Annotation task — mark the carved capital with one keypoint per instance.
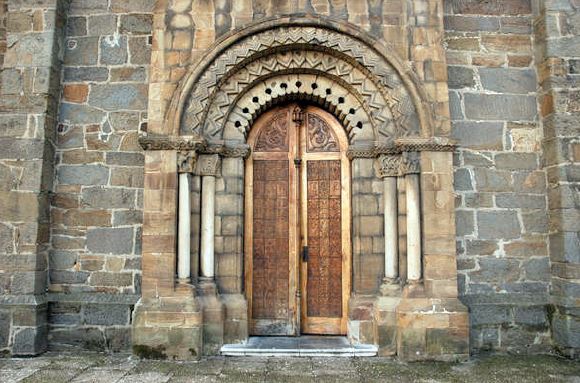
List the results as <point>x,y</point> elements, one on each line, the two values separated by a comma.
<point>208,165</point>
<point>410,163</point>
<point>388,165</point>
<point>186,161</point>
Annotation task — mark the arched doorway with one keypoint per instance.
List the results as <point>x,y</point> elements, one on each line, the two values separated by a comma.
<point>297,223</point>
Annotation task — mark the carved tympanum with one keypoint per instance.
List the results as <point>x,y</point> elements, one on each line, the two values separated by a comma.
<point>274,135</point>
<point>320,137</point>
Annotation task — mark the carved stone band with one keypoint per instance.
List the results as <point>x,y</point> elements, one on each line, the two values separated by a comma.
<point>409,144</point>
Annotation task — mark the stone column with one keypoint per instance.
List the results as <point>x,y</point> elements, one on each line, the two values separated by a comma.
<point>388,169</point>
<point>410,167</point>
<point>208,168</point>
<point>186,162</point>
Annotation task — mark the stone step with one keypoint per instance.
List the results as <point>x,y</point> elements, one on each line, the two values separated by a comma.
<point>303,346</point>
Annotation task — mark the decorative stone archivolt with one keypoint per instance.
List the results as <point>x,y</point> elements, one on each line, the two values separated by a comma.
<point>384,85</point>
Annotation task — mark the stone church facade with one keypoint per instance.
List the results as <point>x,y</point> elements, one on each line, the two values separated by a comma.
<point>178,175</point>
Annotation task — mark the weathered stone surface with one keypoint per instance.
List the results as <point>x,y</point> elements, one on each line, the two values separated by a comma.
<point>119,96</point>
<point>81,51</point>
<point>80,114</point>
<point>110,241</point>
<point>137,24</point>
<point>114,50</point>
<point>460,77</point>
<point>498,224</point>
<point>106,315</point>
<point>478,135</point>
<point>83,175</point>
<point>506,80</point>
<point>510,107</point>
<point>86,74</point>
<point>99,197</point>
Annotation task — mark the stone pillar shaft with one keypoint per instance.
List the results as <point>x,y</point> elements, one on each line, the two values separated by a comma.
<point>413,228</point>
<point>391,229</point>
<point>184,230</point>
<point>207,226</point>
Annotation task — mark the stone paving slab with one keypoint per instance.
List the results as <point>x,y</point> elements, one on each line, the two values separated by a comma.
<point>122,368</point>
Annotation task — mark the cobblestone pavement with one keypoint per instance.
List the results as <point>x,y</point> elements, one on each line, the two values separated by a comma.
<point>55,368</point>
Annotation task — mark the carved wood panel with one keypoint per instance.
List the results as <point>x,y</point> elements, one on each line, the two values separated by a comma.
<point>274,135</point>
<point>320,137</point>
<point>324,280</point>
<point>270,239</point>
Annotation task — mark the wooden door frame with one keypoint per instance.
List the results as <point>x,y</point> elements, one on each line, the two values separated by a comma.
<point>296,267</point>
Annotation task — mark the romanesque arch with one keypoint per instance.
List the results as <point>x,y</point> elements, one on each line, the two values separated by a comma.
<point>228,88</point>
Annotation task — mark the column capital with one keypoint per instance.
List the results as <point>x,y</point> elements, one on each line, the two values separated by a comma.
<point>208,165</point>
<point>410,163</point>
<point>186,160</point>
<point>388,165</point>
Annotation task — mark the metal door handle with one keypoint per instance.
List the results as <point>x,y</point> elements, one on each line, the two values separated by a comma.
<point>304,253</point>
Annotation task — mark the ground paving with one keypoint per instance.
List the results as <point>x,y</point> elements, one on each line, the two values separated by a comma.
<point>122,368</point>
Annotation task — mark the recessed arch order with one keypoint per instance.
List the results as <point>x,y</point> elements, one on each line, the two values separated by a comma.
<point>327,62</point>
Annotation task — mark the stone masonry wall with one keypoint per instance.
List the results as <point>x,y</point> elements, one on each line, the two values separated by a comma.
<point>557,31</point>
<point>95,262</point>
<point>502,226</point>
<point>28,110</point>
<point>368,238</point>
<point>229,226</point>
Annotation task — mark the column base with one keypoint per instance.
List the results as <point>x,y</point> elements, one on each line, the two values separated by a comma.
<point>169,328</point>
<point>214,315</point>
<point>432,329</point>
<point>390,288</point>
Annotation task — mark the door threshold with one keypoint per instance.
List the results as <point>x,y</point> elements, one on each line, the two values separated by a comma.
<point>302,346</point>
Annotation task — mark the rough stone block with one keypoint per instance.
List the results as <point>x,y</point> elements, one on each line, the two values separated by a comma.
<point>498,224</point>
<point>136,24</point>
<point>94,74</point>
<point>505,80</point>
<point>510,107</point>
<point>100,25</point>
<point>83,175</point>
<point>460,77</point>
<point>526,201</point>
<point>114,50</point>
<point>81,51</point>
<point>80,114</point>
<point>464,222</point>
<point>478,135</point>
<point>106,314</point>
<point>119,96</point>
<point>110,240</point>
<point>517,161</point>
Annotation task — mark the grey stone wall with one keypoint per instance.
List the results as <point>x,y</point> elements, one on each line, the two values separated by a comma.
<point>29,87</point>
<point>97,203</point>
<point>502,225</point>
<point>557,32</point>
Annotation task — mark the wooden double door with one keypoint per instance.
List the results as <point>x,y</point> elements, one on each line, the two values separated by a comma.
<point>297,204</point>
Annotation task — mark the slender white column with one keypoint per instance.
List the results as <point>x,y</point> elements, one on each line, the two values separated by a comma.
<point>413,228</point>
<point>391,229</point>
<point>207,225</point>
<point>184,229</point>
